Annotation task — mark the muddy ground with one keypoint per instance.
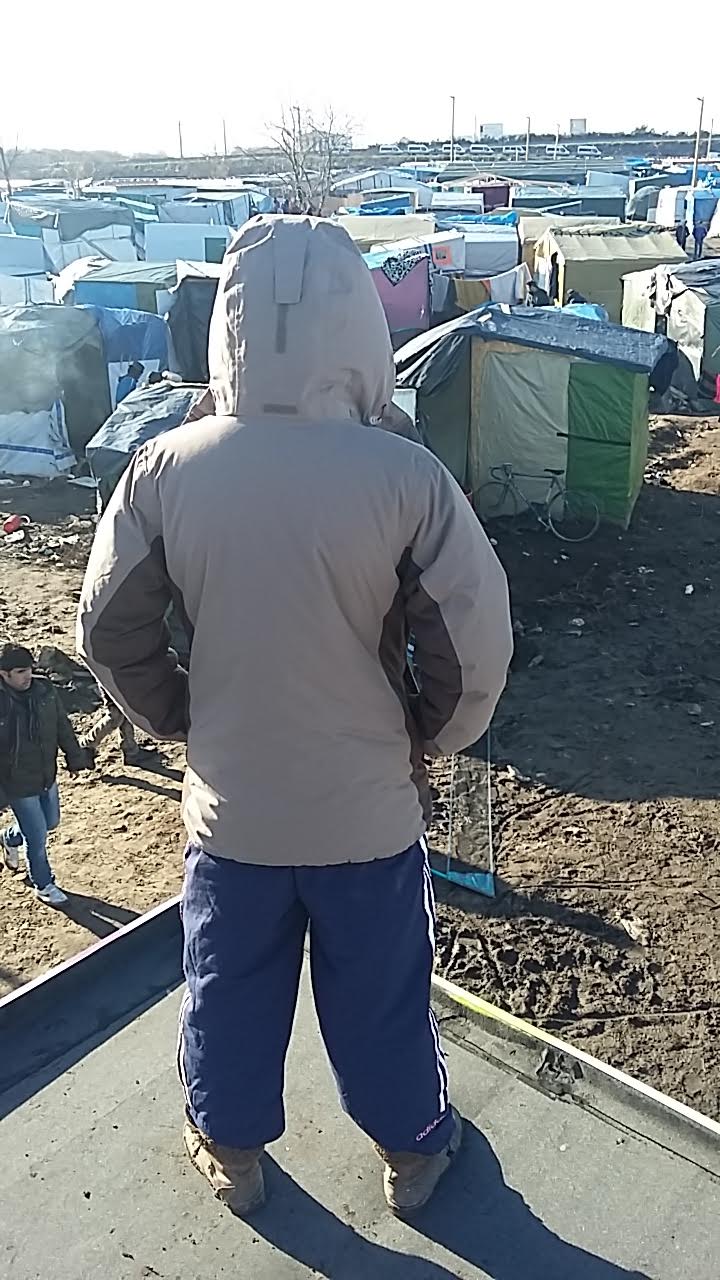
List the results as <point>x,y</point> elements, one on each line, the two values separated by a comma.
<point>119,848</point>
<point>605,781</point>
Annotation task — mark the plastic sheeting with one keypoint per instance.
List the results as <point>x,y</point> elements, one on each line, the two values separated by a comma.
<point>132,336</point>
<point>22,291</point>
<point>490,250</point>
<point>607,409</point>
<point>141,416</point>
<point>52,353</point>
<point>200,242</point>
<point>35,444</point>
<point>519,415</point>
<point>23,256</point>
<point>189,321</point>
<point>551,328</point>
<point>70,218</point>
<point>407,303</point>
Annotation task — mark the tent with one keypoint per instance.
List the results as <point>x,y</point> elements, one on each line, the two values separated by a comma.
<point>537,388</point>
<point>49,356</point>
<point>685,300</point>
<point>139,286</point>
<point>532,227</point>
<point>593,262</point>
<point>141,416</point>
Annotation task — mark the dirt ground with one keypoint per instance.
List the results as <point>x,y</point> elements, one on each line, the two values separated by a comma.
<point>607,785</point>
<point>606,777</point>
<point>119,848</point>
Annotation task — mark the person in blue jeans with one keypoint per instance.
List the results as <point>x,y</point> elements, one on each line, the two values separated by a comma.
<point>34,726</point>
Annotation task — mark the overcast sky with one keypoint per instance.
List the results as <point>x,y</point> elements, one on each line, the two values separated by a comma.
<point>94,75</point>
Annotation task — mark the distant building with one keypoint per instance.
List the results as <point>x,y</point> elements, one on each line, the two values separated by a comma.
<point>492,130</point>
<point>578,126</point>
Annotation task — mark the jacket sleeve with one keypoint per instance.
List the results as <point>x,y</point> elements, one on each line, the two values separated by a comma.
<point>121,630</point>
<point>67,740</point>
<point>458,609</point>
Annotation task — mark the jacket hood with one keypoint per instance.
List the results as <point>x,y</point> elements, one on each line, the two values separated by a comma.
<point>298,329</point>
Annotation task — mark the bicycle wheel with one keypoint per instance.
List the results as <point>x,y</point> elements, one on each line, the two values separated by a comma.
<point>496,498</point>
<point>573,517</point>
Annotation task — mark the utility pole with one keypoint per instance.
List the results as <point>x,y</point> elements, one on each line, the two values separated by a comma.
<point>711,130</point>
<point>225,150</point>
<point>452,129</point>
<point>182,155</point>
<point>557,141</point>
<point>527,140</point>
<point>698,137</point>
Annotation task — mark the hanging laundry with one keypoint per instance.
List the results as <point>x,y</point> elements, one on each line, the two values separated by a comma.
<point>510,286</point>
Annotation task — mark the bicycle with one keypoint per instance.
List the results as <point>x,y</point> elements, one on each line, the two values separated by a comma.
<point>571,516</point>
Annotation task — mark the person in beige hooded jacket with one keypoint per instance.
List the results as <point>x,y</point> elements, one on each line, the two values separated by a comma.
<point>303,544</point>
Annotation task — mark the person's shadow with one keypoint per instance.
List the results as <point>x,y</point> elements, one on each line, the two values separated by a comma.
<point>474,1215</point>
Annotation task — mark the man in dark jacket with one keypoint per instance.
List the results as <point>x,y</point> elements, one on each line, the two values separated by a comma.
<point>33,727</point>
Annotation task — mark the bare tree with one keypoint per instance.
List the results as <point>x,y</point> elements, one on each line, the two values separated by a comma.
<point>7,164</point>
<point>311,146</point>
<point>79,172</point>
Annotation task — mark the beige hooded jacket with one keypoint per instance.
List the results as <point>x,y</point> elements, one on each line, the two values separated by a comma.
<point>302,544</point>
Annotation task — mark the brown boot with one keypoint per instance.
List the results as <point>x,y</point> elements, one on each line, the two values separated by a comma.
<point>234,1174</point>
<point>409,1179</point>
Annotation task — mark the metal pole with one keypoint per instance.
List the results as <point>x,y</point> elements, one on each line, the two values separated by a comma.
<point>182,156</point>
<point>452,129</point>
<point>696,159</point>
<point>527,140</point>
<point>557,140</point>
<point>708,153</point>
<point>225,151</point>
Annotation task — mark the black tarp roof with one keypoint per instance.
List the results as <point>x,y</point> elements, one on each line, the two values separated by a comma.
<point>554,331</point>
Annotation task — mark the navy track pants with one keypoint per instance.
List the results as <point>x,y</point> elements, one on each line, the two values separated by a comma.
<point>371,955</point>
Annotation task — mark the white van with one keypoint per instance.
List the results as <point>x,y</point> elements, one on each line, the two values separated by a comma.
<point>560,150</point>
<point>481,149</point>
<point>418,149</point>
<point>389,149</point>
<point>447,149</point>
<point>589,149</point>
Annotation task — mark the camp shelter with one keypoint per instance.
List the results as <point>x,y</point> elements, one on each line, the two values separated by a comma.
<point>532,227</point>
<point>141,416</point>
<point>403,284</point>
<point>197,242</point>
<point>367,231</point>
<point>138,286</point>
<point>189,318</point>
<point>671,206</point>
<point>685,300</point>
<point>54,355</point>
<point>537,388</point>
<point>593,262</point>
<point>132,337</point>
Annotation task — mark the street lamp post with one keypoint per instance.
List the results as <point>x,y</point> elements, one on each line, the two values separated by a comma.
<point>527,140</point>
<point>711,130</point>
<point>696,159</point>
<point>452,129</point>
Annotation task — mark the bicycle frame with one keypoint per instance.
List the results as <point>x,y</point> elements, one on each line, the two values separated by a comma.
<point>538,507</point>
